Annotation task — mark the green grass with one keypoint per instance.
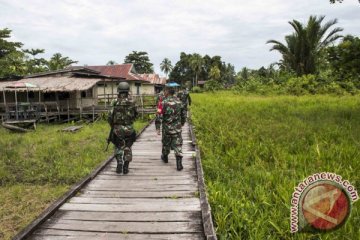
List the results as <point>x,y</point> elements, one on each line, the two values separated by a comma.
<point>38,167</point>
<point>255,150</point>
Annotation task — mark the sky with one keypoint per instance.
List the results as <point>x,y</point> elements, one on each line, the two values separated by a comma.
<point>94,32</point>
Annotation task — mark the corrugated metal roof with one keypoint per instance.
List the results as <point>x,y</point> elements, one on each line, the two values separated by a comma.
<point>118,70</point>
<point>56,84</point>
<point>154,78</point>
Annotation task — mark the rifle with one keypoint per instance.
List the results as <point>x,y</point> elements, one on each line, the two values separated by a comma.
<point>111,130</point>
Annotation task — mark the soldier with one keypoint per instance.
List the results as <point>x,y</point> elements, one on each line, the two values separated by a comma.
<point>185,98</point>
<point>123,135</point>
<point>172,119</point>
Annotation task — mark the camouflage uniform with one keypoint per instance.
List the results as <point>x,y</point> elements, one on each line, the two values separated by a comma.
<point>122,117</point>
<point>185,98</point>
<point>172,118</point>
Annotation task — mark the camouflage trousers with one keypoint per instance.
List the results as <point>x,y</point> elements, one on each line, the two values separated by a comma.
<point>123,139</point>
<point>172,141</point>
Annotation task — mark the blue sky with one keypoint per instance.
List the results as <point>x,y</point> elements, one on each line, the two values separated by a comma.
<point>94,32</point>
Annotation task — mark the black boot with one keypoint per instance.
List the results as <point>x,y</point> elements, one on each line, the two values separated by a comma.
<point>126,167</point>
<point>179,165</point>
<point>119,167</point>
<point>165,158</point>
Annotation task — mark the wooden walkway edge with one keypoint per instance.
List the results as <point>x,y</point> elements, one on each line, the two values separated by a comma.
<point>153,201</point>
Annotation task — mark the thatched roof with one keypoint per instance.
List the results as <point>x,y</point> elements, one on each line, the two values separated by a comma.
<point>54,84</point>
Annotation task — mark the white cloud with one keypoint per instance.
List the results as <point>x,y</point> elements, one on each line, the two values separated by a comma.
<point>94,32</point>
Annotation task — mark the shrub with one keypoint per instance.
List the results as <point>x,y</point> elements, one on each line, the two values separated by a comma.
<point>196,89</point>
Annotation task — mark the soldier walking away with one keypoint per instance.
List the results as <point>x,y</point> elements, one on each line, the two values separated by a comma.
<point>172,118</point>
<point>185,98</point>
<point>122,134</point>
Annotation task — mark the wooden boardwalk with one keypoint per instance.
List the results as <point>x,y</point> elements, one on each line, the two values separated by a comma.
<point>153,201</point>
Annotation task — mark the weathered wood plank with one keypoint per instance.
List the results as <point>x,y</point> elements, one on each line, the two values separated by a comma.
<point>134,201</point>
<point>129,216</point>
<point>145,188</point>
<point>125,227</point>
<point>145,177</point>
<point>150,181</point>
<point>55,234</point>
<point>141,207</point>
<point>139,194</point>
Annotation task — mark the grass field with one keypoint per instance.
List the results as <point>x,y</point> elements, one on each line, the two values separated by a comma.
<point>38,167</point>
<point>255,150</point>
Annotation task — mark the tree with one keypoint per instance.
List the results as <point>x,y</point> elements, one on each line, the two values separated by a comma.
<point>344,59</point>
<point>166,66</point>
<point>111,62</point>
<point>58,62</point>
<point>141,62</point>
<point>11,56</point>
<point>182,72</point>
<point>302,49</point>
<point>215,74</point>
<point>34,64</point>
<point>196,64</point>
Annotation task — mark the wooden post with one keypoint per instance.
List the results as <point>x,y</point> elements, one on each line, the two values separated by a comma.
<point>104,92</point>
<point>142,105</point>
<point>57,105</point>
<point>46,113</point>
<point>16,106</point>
<point>80,107</point>
<point>6,109</point>
<point>93,111</point>
<point>112,89</point>
<point>68,110</point>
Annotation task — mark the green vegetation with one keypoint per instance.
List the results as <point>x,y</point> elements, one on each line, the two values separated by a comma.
<point>15,61</point>
<point>38,167</point>
<point>256,149</point>
<point>141,61</point>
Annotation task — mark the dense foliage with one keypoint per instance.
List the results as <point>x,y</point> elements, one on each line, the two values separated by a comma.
<point>15,61</point>
<point>303,48</point>
<point>192,68</point>
<point>141,62</point>
<point>255,150</point>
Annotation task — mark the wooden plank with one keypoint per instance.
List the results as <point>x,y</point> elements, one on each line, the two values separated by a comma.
<point>129,182</point>
<point>145,178</point>
<point>171,172</point>
<point>141,207</point>
<point>144,188</point>
<point>137,184</point>
<point>55,234</point>
<point>136,201</point>
<point>139,194</point>
<point>129,216</point>
<point>125,227</point>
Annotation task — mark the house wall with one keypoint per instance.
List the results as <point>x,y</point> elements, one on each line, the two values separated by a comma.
<point>147,89</point>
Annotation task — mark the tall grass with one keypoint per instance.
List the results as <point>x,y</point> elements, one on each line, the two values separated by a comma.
<point>38,167</point>
<point>256,149</point>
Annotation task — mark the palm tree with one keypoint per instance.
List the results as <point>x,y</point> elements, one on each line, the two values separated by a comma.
<point>57,62</point>
<point>166,66</point>
<point>196,64</point>
<point>111,62</point>
<point>302,49</point>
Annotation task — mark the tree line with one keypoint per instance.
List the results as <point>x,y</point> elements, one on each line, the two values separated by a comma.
<point>16,61</point>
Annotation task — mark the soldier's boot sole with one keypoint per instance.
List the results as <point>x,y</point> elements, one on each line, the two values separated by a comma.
<point>165,158</point>
<point>119,168</point>
<point>126,167</point>
<point>179,165</point>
